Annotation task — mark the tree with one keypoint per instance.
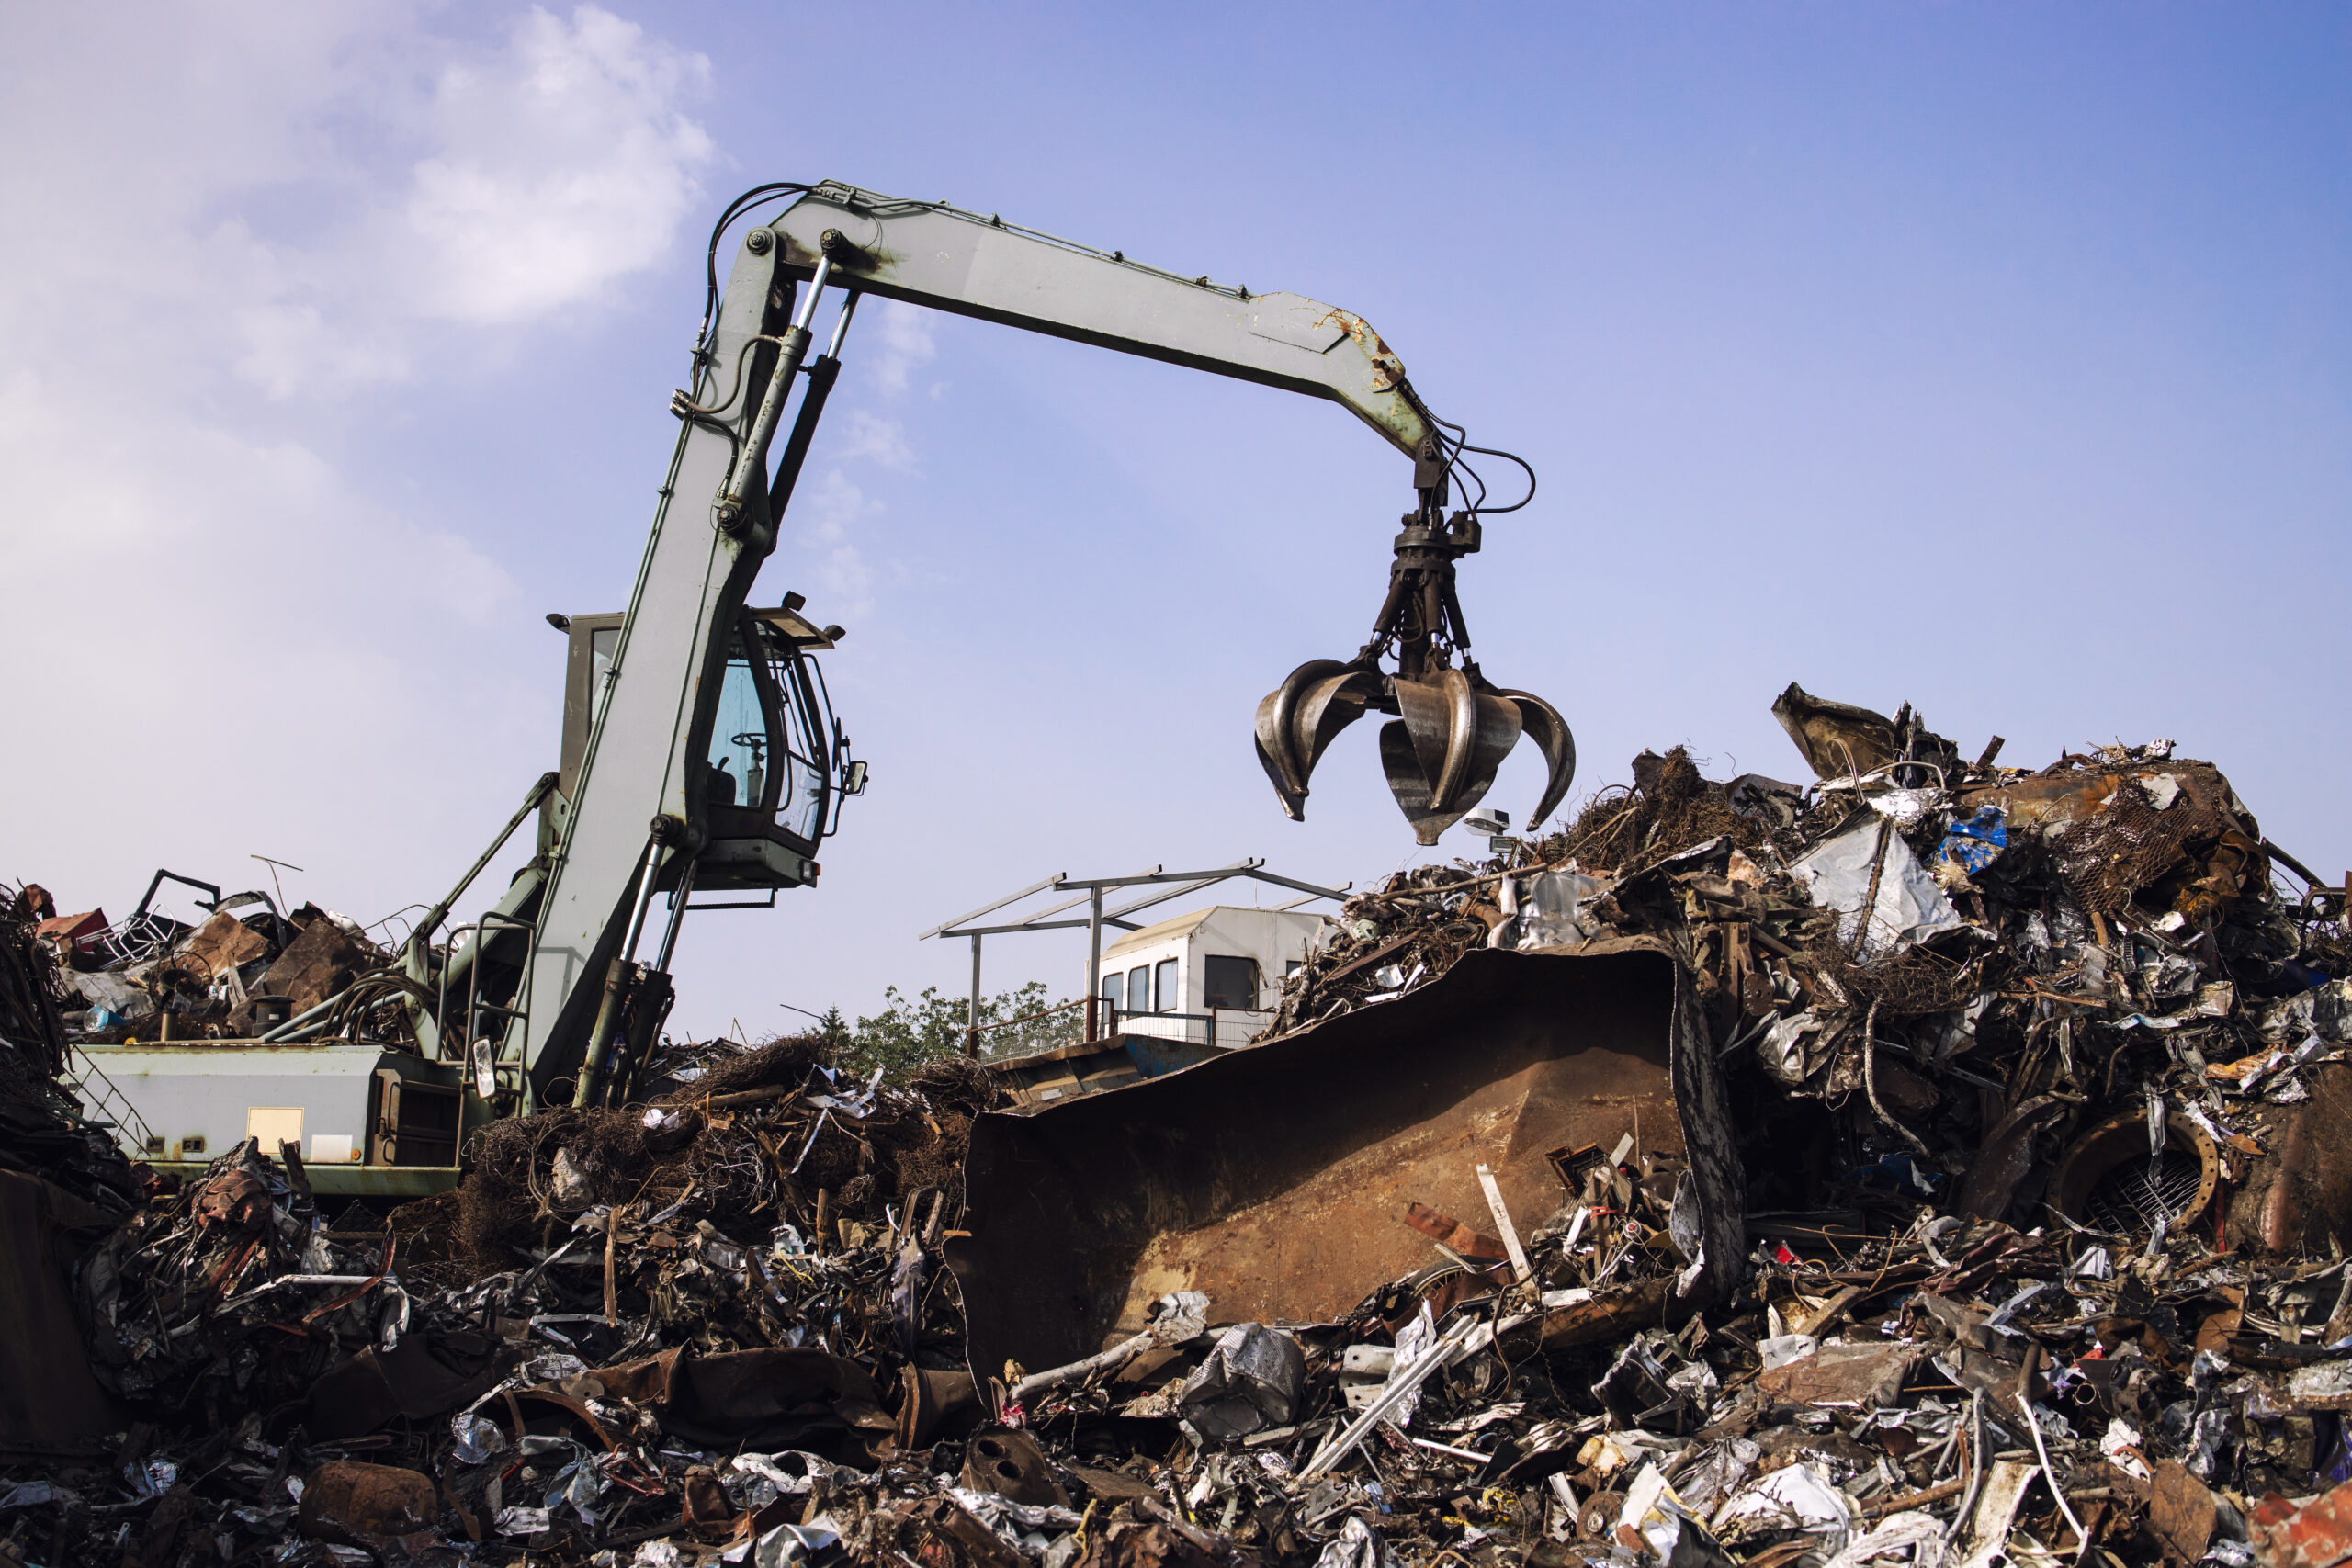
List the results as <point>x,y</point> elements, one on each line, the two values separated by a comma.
<point>908,1033</point>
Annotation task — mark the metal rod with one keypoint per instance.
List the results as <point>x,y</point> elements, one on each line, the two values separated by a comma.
<point>841,325</point>
<point>1501,1211</point>
<point>972,1027</point>
<point>616,981</point>
<point>1401,1383</point>
<point>677,915</point>
<point>822,372</point>
<point>441,1004</point>
<point>1044,925</point>
<point>592,1066</point>
<point>644,899</point>
<point>1181,890</point>
<point>439,912</point>
<point>1308,887</point>
<point>1118,1355</point>
<point>1472,1454</point>
<point>1108,919</point>
<point>815,286</point>
<point>1214,874</point>
<point>1094,960</point>
<point>751,459</point>
<point>990,908</point>
<point>481,1051</point>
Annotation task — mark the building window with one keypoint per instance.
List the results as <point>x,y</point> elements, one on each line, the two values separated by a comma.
<point>1164,987</point>
<point>1139,988</point>
<point>1230,982</point>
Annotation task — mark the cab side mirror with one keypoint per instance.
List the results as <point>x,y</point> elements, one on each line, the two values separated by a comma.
<point>854,779</point>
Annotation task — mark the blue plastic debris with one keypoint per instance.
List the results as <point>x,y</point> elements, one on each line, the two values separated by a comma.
<point>1973,843</point>
<point>1899,1173</point>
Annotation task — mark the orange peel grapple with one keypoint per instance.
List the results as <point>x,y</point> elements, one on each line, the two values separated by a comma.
<point>1451,727</point>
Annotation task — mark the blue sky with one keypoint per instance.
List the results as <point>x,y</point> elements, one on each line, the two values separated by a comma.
<point>1991,358</point>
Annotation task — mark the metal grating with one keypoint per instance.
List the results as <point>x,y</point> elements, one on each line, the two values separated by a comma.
<point>2128,843</point>
<point>2128,1200</point>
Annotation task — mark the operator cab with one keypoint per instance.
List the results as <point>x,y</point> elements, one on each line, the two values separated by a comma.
<point>777,765</point>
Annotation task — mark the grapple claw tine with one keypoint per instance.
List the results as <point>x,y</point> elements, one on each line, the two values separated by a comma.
<point>1294,801</point>
<point>1442,754</point>
<point>1485,729</point>
<point>1427,712</point>
<point>1297,720</point>
<point>1542,723</point>
<point>1409,785</point>
<point>1498,727</point>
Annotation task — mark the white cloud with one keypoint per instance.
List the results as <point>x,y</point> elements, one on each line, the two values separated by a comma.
<point>529,176</point>
<point>292,349</point>
<point>836,511</point>
<point>268,209</point>
<point>410,184</point>
<point>906,344</point>
<point>828,518</point>
<point>564,164</point>
<point>870,435</point>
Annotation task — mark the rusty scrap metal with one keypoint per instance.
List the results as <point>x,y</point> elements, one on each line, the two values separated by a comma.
<point>2019,1234</point>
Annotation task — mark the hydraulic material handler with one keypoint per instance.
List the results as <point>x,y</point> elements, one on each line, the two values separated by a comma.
<point>699,752</point>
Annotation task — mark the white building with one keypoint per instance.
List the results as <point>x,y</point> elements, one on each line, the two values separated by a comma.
<point>1209,976</point>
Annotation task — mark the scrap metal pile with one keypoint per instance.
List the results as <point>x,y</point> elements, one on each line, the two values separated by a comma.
<point>242,971</point>
<point>41,1133</point>
<point>581,1344</point>
<point>1988,1204</point>
<point>2042,1076</point>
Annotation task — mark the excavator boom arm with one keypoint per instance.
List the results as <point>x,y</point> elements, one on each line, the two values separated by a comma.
<point>928,252</point>
<point>638,809</point>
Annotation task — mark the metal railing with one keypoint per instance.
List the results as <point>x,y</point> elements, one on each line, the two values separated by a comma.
<point>972,1036</point>
<point>130,1129</point>
<point>1225,1027</point>
<point>485,931</point>
<point>1106,1019</point>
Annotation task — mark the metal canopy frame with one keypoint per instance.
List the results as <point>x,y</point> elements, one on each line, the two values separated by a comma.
<point>1176,885</point>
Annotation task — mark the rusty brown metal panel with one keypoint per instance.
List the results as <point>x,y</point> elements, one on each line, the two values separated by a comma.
<point>2300,1198</point>
<point>49,1401</point>
<point>1278,1179</point>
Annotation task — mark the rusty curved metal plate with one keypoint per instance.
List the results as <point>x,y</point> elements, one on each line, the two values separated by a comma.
<point>48,1400</point>
<point>1279,1179</point>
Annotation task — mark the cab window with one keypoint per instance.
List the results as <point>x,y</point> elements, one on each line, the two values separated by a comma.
<point>1229,982</point>
<point>738,739</point>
